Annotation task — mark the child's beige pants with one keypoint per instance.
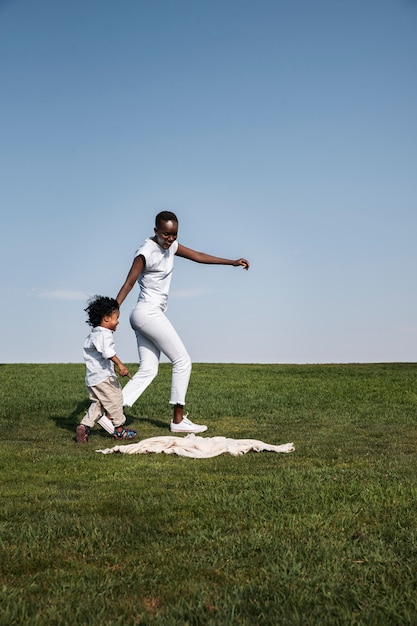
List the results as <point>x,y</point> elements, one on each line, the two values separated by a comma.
<point>105,397</point>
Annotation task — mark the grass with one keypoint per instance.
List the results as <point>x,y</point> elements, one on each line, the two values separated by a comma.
<point>325,535</point>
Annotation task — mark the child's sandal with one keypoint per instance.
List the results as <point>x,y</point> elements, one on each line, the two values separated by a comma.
<point>124,434</point>
<point>82,433</point>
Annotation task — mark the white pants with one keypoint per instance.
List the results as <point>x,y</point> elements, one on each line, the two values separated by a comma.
<point>155,334</point>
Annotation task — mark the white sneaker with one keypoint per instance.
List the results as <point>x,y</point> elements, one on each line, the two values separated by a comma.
<point>187,426</point>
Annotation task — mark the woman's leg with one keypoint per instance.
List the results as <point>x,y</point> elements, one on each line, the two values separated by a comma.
<point>156,334</point>
<point>166,337</point>
<point>157,331</point>
<point>148,368</point>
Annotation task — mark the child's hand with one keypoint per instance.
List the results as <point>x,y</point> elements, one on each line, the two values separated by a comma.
<point>123,371</point>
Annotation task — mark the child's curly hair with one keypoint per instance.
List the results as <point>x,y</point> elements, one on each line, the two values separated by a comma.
<point>98,307</point>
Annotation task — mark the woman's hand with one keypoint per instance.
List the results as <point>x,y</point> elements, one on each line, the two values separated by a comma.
<point>243,262</point>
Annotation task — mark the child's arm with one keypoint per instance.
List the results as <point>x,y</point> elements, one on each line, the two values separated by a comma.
<point>123,371</point>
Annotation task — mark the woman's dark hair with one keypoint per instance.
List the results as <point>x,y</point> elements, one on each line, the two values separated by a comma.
<point>165,216</point>
<point>99,307</point>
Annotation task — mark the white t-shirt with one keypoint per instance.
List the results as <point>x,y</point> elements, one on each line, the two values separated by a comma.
<point>99,347</point>
<point>155,279</point>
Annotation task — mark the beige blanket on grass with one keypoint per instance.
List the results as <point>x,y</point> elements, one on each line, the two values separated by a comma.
<point>197,447</point>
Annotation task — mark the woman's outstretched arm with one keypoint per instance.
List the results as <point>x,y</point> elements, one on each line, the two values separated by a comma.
<point>202,257</point>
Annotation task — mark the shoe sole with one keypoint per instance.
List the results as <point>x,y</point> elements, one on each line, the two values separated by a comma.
<point>187,432</point>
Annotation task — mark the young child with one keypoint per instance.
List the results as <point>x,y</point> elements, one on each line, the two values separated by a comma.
<point>100,358</point>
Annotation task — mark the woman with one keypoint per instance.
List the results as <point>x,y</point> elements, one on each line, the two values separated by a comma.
<point>152,269</point>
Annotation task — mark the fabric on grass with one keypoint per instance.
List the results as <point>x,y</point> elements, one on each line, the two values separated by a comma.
<point>198,447</point>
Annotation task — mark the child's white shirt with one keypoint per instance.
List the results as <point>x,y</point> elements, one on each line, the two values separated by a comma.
<point>155,280</point>
<point>99,348</point>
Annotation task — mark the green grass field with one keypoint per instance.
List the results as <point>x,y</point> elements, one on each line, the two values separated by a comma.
<point>325,535</point>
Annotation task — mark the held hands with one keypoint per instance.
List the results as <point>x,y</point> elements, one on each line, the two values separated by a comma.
<point>243,262</point>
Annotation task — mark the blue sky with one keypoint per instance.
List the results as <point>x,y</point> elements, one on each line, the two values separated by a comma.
<point>283,131</point>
